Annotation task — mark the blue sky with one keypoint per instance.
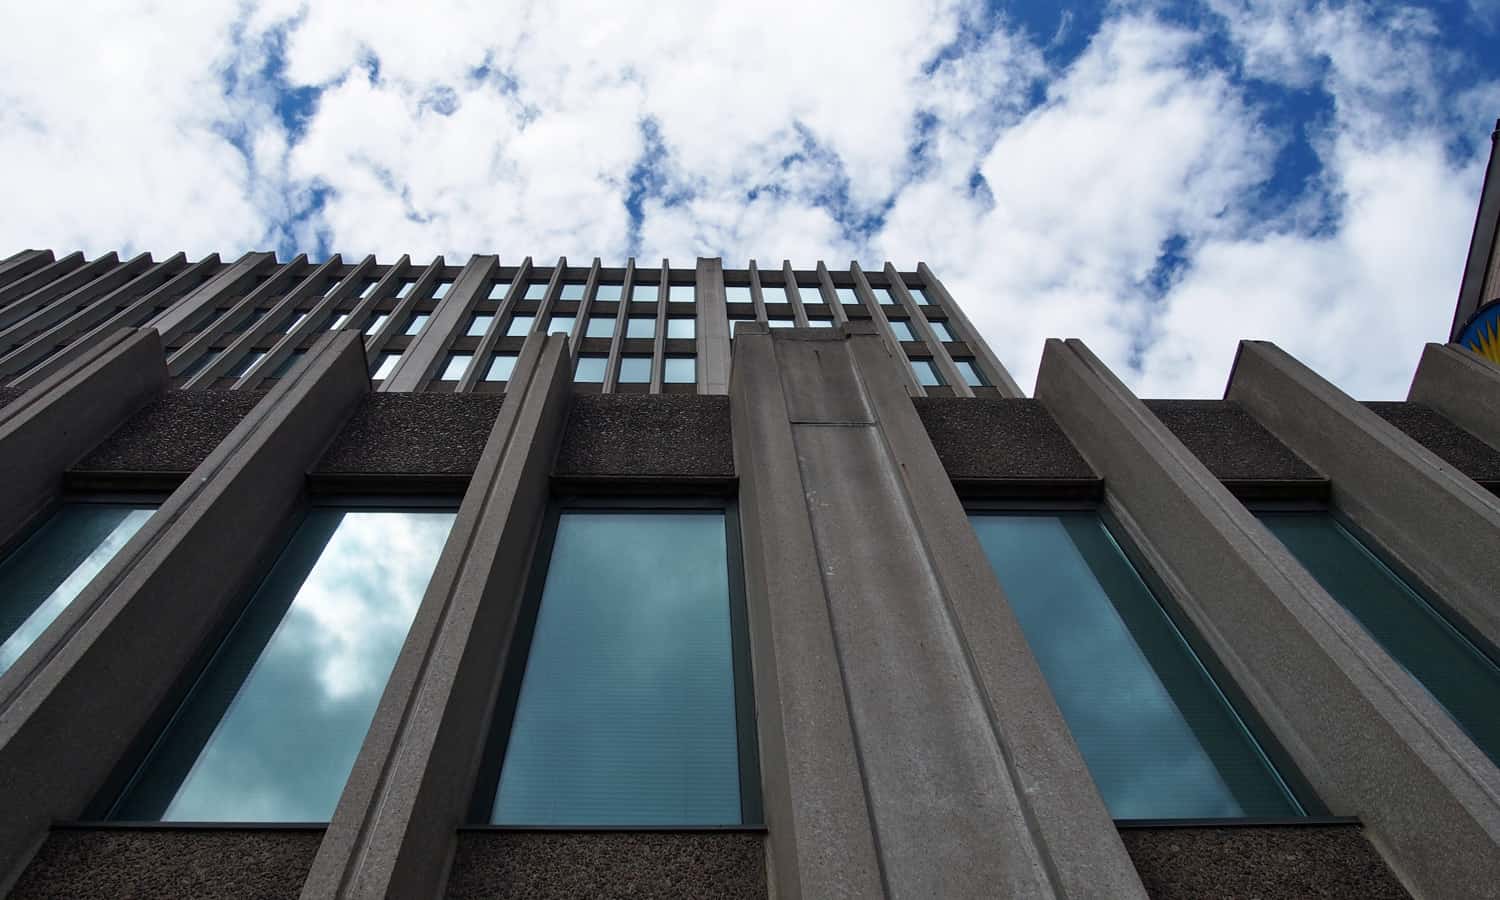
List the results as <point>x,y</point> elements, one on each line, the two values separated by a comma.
<point>1158,178</point>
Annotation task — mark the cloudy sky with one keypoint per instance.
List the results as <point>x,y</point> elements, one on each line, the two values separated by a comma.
<point>1159,179</point>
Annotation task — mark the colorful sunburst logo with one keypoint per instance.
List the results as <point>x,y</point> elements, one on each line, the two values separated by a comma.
<point>1482,334</point>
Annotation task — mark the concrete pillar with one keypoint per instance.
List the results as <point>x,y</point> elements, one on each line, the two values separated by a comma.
<point>1435,522</point>
<point>50,427</point>
<point>1364,734</point>
<point>909,744</point>
<point>97,680</point>
<point>1463,386</point>
<point>394,831</point>
<point>713,327</point>
<point>427,353</point>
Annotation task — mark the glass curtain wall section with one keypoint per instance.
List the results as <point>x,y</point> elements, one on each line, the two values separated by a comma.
<point>1458,674</point>
<point>47,572</point>
<point>627,711</point>
<point>270,730</point>
<point>1159,737</point>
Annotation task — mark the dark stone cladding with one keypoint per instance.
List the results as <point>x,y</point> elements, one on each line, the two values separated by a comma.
<point>644,435</point>
<point>1266,863</point>
<point>417,434</point>
<point>1229,441</point>
<point>1006,438</point>
<point>1450,442</point>
<point>173,434</point>
<point>642,865</point>
<point>83,863</point>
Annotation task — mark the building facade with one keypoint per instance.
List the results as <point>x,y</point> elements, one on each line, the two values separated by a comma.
<point>354,580</point>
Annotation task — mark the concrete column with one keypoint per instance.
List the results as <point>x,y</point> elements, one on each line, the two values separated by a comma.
<point>230,282</point>
<point>429,350</point>
<point>713,327</point>
<point>101,674</point>
<point>1463,386</point>
<point>50,427</point>
<point>394,831</point>
<point>1364,734</point>
<point>909,745</point>
<point>1436,522</point>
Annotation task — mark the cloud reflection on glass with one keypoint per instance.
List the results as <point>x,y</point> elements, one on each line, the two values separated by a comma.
<point>1160,740</point>
<point>271,729</point>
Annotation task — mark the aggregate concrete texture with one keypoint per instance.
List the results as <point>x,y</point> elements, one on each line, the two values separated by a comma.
<point>1229,441</point>
<point>1009,438</point>
<point>175,433</point>
<point>647,435</point>
<point>413,434</point>
<point>1449,442</point>
<point>1461,385</point>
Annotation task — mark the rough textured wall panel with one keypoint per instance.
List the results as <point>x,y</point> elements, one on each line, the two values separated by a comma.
<point>603,864</point>
<point>999,439</point>
<point>644,435</point>
<point>414,434</point>
<point>1229,442</point>
<point>174,434</point>
<point>8,394</point>
<point>84,863</point>
<point>1266,863</point>
<point>1455,446</point>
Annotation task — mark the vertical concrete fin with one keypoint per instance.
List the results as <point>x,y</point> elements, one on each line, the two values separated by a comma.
<point>52,425</point>
<point>713,327</point>
<point>1434,520</point>
<point>235,277</point>
<point>427,352</point>
<point>394,831</point>
<point>1368,738</point>
<point>1463,386</point>
<point>79,699</point>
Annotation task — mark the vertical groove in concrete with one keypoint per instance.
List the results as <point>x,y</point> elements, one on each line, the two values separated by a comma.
<point>1435,521</point>
<point>713,327</point>
<point>52,425</point>
<point>1463,386</point>
<point>82,695</point>
<point>1367,737</point>
<point>394,832</point>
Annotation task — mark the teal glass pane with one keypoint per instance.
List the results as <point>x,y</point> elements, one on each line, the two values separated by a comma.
<point>479,324</point>
<point>386,366</point>
<point>590,369</point>
<point>270,730</point>
<point>640,327</point>
<point>441,290</point>
<point>42,576</point>
<point>970,372</point>
<point>883,296</point>
<point>940,329</point>
<point>926,372</point>
<point>536,290</point>
<point>600,327</point>
<point>501,367</point>
<point>563,324</point>
<point>643,292</point>
<point>635,369</point>
<point>520,326</point>
<point>571,291</point>
<point>626,713</point>
<point>415,323</point>
<point>456,366</point>
<point>737,293</point>
<point>1456,672</point>
<point>773,293</point>
<point>681,328</point>
<point>608,291</point>
<point>902,330</point>
<point>680,370</point>
<point>681,293</point>
<point>847,296</point>
<point>1159,738</point>
<point>811,293</point>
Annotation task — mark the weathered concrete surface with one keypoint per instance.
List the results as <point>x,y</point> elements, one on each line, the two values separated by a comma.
<point>1461,385</point>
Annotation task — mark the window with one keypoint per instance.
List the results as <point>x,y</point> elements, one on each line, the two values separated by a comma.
<point>204,360</point>
<point>635,369</point>
<point>680,370</point>
<point>1159,738</point>
<point>941,330</point>
<point>376,322</point>
<point>590,369</point>
<point>562,323</point>
<point>737,293</point>
<point>501,367</point>
<point>680,293</point>
<point>368,289</point>
<point>847,296</point>
<point>571,291</point>
<point>773,293</point>
<point>600,327</point>
<point>520,326</point>
<point>902,329</point>
<point>47,572</point>
<point>820,323</point>
<point>270,730</point>
<point>781,323</point>
<point>415,323</point>
<point>1457,673</point>
<point>458,364</point>
<point>920,295</point>
<point>633,708</point>
<point>479,324</point>
<point>609,292</point>
<point>970,372</point>
<point>536,290</point>
<point>640,327</point>
<point>246,363</point>
<point>883,296</point>
<point>643,292</point>
<point>293,321</point>
<point>286,364</point>
<point>811,293</point>
<point>404,289</point>
<point>681,328</point>
<point>332,286</point>
<point>441,290</point>
<point>338,321</point>
<point>926,372</point>
<point>386,366</point>
<point>497,291</point>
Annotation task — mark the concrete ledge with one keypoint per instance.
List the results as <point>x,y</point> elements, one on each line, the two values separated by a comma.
<point>176,433</point>
<point>1368,738</point>
<point>1011,438</point>
<point>647,435</point>
<point>641,865</point>
<point>414,434</point>
<point>1450,443</point>
<point>46,429</point>
<point>412,785</point>
<point>84,693</point>
<point>1463,386</point>
<point>1436,522</point>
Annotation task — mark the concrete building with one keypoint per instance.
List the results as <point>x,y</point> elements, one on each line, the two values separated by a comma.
<point>350,579</point>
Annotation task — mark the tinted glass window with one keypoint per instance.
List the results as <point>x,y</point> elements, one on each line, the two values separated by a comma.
<point>600,327</point>
<point>773,293</point>
<point>970,372</point>
<point>572,291</point>
<point>1159,738</point>
<point>847,296</point>
<point>386,366</point>
<point>737,293</point>
<point>640,327</point>
<point>902,330</point>
<point>415,323</point>
<point>883,296</point>
<point>501,367</point>
<point>635,369</point>
<point>479,324</point>
<point>608,291</point>
<point>536,290</point>
<point>562,323</point>
<point>680,328</point>
<point>643,291</point>
<point>376,322</point>
<point>590,369</point>
<point>441,290</point>
<point>926,372</point>
<point>520,326</point>
<point>781,323</point>
<point>680,293</point>
<point>811,293</point>
<point>680,370</point>
<point>270,730</point>
<point>43,575</point>
<point>941,330</point>
<point>456,366</point>
<point>626,712</point>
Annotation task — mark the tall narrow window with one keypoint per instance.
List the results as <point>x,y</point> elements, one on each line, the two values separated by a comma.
<point>42,576</point>
<point>1159,737</point>
<point>1460,676</point>
<point>626,714</point>
<point>270,730</point>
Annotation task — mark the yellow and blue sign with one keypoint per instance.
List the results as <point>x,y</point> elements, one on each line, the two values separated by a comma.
<point>1482,333</point>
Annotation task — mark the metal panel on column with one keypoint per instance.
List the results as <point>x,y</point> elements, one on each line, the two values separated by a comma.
<point>1367,737</point>
<point>77,701</point>
<point>394,831</point>
<point>1435,521</point>
<point>1463,386</point>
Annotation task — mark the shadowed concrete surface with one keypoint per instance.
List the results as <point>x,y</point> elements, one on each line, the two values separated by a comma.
<point>414,434</point>
<point>174,434</point>
<point>1007,438</point>
<point>1265,863</point>
<point>642,865</point>
<point>116,863</point>
<point>640,434</point>
<point>1452,444</point>
<point>1229,442</point>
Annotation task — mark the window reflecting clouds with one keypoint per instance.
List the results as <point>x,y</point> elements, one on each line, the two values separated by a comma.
<point>271,729</point>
